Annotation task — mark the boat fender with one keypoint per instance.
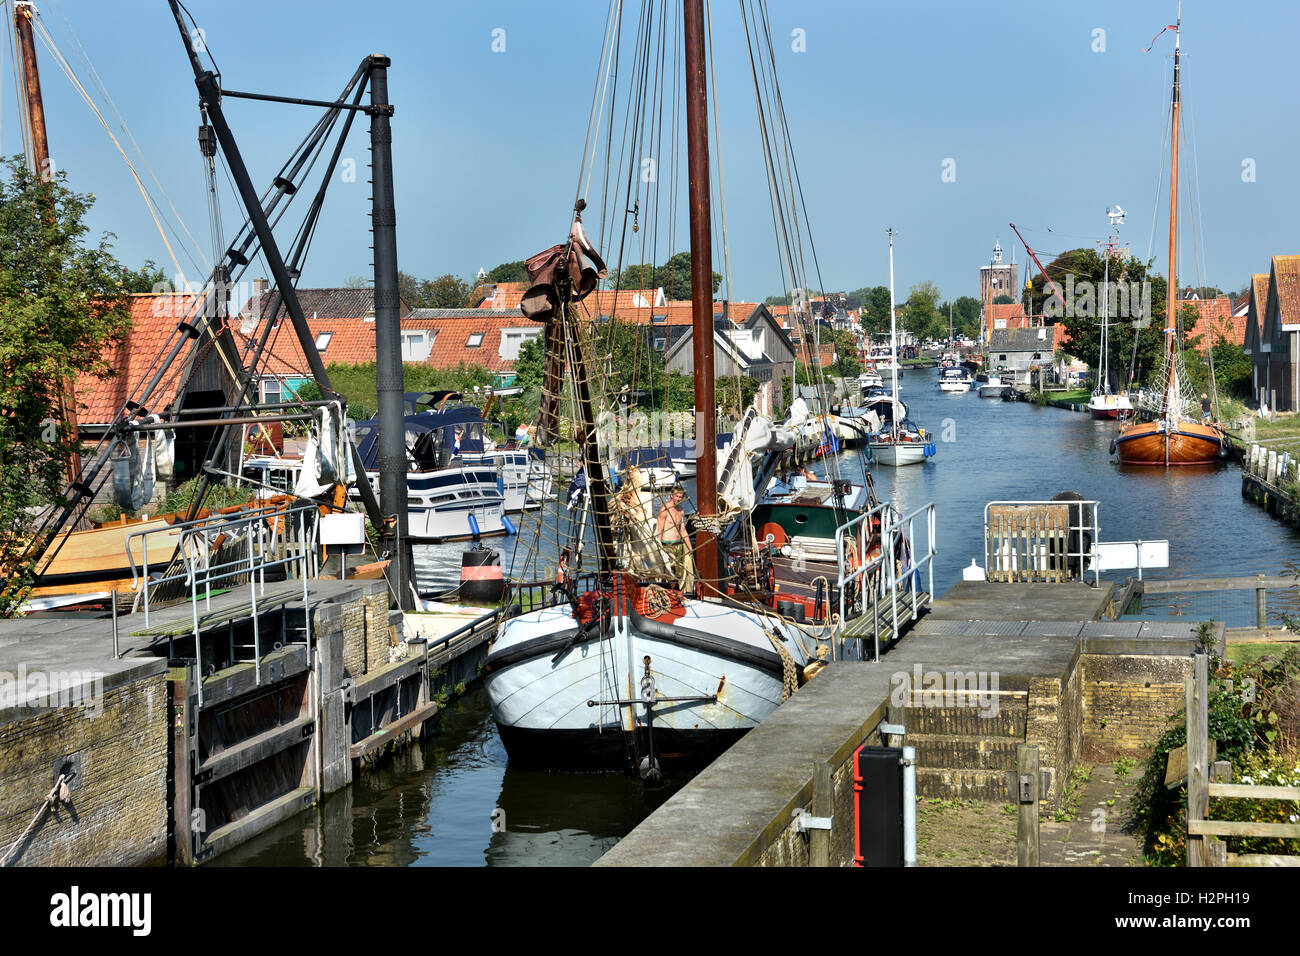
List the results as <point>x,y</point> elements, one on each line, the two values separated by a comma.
<point>1113,446</point>
<point>509,525</point>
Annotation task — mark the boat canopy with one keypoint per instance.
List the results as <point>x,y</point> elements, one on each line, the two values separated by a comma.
<point>431,437</point>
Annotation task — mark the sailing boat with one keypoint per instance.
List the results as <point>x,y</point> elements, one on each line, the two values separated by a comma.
<point>1170,436</point>
<point>1104,403</point>
<point>632,668</point>
<point>898,441</point>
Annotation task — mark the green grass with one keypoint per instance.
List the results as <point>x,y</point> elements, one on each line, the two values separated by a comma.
<point>1250,653</point>
<point>1075,397</point>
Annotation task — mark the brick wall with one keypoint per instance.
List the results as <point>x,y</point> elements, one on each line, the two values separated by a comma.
<point>1126,700</point>
<point>118,815</point>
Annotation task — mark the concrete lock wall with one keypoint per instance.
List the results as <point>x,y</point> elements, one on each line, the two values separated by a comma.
<point>117,746</point>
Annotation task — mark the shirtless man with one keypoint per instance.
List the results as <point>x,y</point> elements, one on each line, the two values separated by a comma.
<point>670,527</point>
<point>671,531</point>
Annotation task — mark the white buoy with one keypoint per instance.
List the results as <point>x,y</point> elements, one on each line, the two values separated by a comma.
<point>973,573</point>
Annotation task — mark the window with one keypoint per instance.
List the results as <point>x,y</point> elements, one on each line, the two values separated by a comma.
<point>475,341</point>
<point>271,391</point>
<point>1002,358</point>
<point>323,341</point>
<point>661,342</point>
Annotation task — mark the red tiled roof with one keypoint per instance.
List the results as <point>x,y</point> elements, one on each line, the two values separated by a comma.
<point>1286,279</point>
<point>153,322</point>
<point>351,342</point>
<point>1214,318</point>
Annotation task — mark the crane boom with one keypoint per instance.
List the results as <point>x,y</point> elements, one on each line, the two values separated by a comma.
<point>1052,283</point>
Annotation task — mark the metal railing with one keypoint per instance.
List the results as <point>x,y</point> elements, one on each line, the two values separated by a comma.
<point>1049,541</point>
<point>265,534</point>
<point>899,569</point>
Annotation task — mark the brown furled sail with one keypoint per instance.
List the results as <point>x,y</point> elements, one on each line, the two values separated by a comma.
<point>577,262</point>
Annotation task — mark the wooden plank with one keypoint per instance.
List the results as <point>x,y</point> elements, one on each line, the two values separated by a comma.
<point>1262,859</point>
<point>255,748</point>
<point>1190,585</point>
<point>376,740</point>
<point>1252,792</point>
<point>1176,765</point>
<point>1027,819</point>
<point>1278,831</point>
<point>1198,757</point>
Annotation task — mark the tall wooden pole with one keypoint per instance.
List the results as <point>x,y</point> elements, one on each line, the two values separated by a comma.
<point>41,155</point>
<point>1171,318</point>
<point>697,144</point>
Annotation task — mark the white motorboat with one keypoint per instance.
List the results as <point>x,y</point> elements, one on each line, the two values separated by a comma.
<point>955,378</point>
<point>993,387</point>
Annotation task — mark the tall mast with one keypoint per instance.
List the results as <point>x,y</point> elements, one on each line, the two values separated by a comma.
<point>1172,292</point>
<point>893,348</point>
<point>23,11</point>
<point>697,147</point>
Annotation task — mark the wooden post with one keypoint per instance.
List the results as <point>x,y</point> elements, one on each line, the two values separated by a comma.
<point>823,805</point>
<point>1260,616</point>
<point>1198,757</point>
<point>1027,800</point>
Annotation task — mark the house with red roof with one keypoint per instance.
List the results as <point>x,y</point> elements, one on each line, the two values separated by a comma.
<point>1279,338</point>
<point>203,373</point>
<point>755,346</point>
<point>1254,344</point>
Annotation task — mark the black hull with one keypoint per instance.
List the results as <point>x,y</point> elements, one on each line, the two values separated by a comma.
<point>610,750</point>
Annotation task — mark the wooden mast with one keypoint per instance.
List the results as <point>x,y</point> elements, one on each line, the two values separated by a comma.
<point>1171,297</point>
<point>41,155</point>
<point>697,145</point>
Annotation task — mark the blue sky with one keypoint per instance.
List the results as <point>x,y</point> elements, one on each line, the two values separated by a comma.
<point>1043,130</point>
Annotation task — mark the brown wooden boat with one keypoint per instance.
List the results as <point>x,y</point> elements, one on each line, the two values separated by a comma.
<point>1171,438</point>
<point>1169,443</point>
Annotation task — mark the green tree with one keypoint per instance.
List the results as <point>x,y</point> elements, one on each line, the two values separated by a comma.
<point>61,302</point>
<point>509,272</point>
<point>1138,312</point>
<point>1004,300</point>
<point>444,292</point>
<point>847,364</point>
<point>874,317</point>
<point>921,314</point>
<point>148,278</point>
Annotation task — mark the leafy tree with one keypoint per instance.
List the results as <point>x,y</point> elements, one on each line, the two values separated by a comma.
<point>444,292</point>
<point>1004,300</point>
<point>965,316</point>
<point>875,308</point>
<point>147,278</point>
<point>1137,313</point>
<point>846,364</point>
<point>509,272</point>
<point>674,276</point>
<point>61,302</point>
<point>921,314</point>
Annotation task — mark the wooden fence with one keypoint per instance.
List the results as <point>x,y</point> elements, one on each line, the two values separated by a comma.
<point>1203,849</point>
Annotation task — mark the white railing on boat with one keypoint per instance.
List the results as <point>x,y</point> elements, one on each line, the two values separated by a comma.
<point>261,531</point>
<point>1048,541</point>
<point>893,580</point>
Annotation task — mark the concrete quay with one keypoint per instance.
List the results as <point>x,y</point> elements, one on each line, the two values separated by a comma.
<point>991,666</point>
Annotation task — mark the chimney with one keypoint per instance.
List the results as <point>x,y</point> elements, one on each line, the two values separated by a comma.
<point>260,286</point>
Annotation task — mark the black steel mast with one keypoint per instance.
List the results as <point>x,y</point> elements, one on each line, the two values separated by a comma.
<point>388,338</point>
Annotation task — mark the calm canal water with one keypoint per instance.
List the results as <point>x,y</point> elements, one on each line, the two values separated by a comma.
<point>434,805</point>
